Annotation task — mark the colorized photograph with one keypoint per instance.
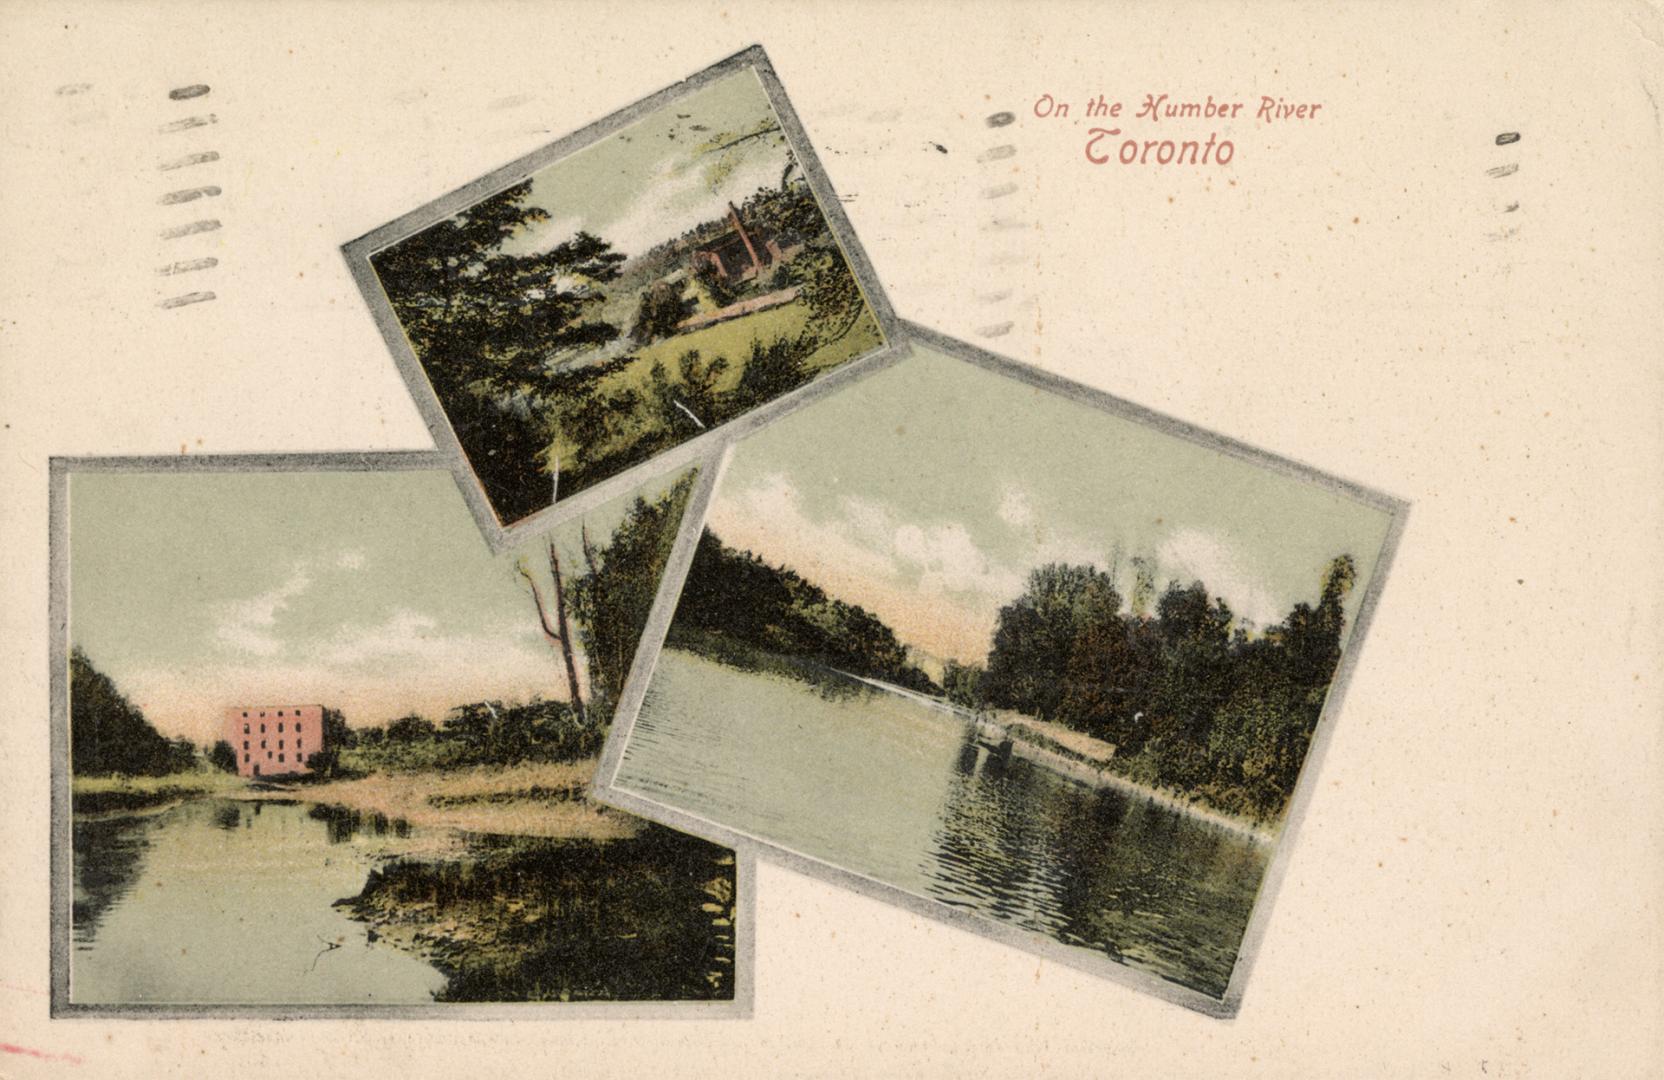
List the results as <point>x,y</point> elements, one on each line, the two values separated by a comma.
<point>326,749</point>
<point>1010,655</point>
<point>664,279</point>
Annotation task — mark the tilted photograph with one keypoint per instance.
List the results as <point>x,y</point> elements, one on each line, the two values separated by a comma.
<point>642,289</point>
<point>1044,667</point>
<point>322,748</point>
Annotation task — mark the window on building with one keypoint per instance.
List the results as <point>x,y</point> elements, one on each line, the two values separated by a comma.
<point>262,715</point>
<point>262,744</point>
<point>280,744</point>
<point>297,746</point>
<point>280,757</point>
<point>245,726</point>
<point>280,726</point>
<point>245,744</point>
<point>297,727</point>
<point>262,729</point>
<point>245,758</point>
<point>280,712</point>
<point>268,754</point>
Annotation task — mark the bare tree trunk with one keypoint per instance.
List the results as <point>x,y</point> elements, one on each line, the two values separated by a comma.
<point>560,636</point>
<point>565,635</point>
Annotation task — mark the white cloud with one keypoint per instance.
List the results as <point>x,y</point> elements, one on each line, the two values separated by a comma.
<point>866,541</point>
<point>1015,509</point>
<point>247,626</point>
<point>404,633</point>
<point>671,201</point>
<point>1190,554</point>
<point>947,559</point>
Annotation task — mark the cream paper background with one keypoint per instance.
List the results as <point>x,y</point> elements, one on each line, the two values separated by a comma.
<point>1475,890</point>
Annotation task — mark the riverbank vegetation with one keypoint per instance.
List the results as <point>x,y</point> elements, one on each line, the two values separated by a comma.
<point>106,794</point>
<point>517,919</point>
<point>570,365</point>
<point>734,603</point>
<point>1191,701</point>
<point>109,736</point>
<point>1170,692</point>
<point>117,759</point>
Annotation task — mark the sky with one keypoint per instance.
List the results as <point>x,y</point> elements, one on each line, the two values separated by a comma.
<point>371,592</point>
<point>926,493</point>
<point>644,184</point>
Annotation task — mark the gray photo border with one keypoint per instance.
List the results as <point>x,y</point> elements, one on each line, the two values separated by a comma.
<point>358,252</point>
<point>606,788</point>
<point>740,1006</point>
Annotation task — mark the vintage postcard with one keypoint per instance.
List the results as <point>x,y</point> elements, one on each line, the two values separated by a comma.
<point>1015,654</point>
<point>613,297</point>
<point>320,751</point>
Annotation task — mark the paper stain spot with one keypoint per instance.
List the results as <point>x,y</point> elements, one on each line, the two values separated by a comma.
<point>1001,119</point>
<point>185,93</point>
<point>1507,137</point>
<point>71,89</point>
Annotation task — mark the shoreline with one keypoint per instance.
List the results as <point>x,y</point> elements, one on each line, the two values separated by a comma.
<point>531,800</point>
<point>1003,726</point>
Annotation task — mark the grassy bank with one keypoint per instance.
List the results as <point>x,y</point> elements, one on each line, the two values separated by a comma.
<point>521,919</point>
<point>1095,756</point>
<point>535,799</point>
<point>105,794</point>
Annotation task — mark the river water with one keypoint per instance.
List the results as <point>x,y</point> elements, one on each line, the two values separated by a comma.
<point>219,902</point>
<point>900,791</point>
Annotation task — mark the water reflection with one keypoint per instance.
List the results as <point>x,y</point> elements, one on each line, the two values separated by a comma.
<point>1094,867</point>
<point>218,901</point>
<point>108,855</point>
<point>900,791</point>
<point>343,824</point>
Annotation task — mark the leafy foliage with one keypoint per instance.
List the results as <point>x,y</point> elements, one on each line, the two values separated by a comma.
<point>1187,703</point>
<point>662,310</point>
<point>485,325</point>
<point>223,756</point>
<point>109,735</point>
<point>738,595</point>
<point>612,598</point>
<point>524,351</point>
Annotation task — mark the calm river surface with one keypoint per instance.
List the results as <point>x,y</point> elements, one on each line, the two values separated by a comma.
<point>213,901</point>
<point>895,789</point>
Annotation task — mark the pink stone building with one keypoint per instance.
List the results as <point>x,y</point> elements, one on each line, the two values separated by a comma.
<point>274,740</point>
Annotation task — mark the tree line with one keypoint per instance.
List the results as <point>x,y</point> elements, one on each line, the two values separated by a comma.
<point>737,596</point>
<point>109,735</point>
<point>1189,699</point>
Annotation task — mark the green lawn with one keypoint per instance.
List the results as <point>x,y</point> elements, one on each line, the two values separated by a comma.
<point>732,340</point>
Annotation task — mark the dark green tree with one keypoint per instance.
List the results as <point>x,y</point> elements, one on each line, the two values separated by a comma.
<point>486,325</point>
<point>661,311</point>
<point>223,756</point>
<point>107,733</point>
<point>410,729</point>
<point>1034,636</point>
<point>611,599</point>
